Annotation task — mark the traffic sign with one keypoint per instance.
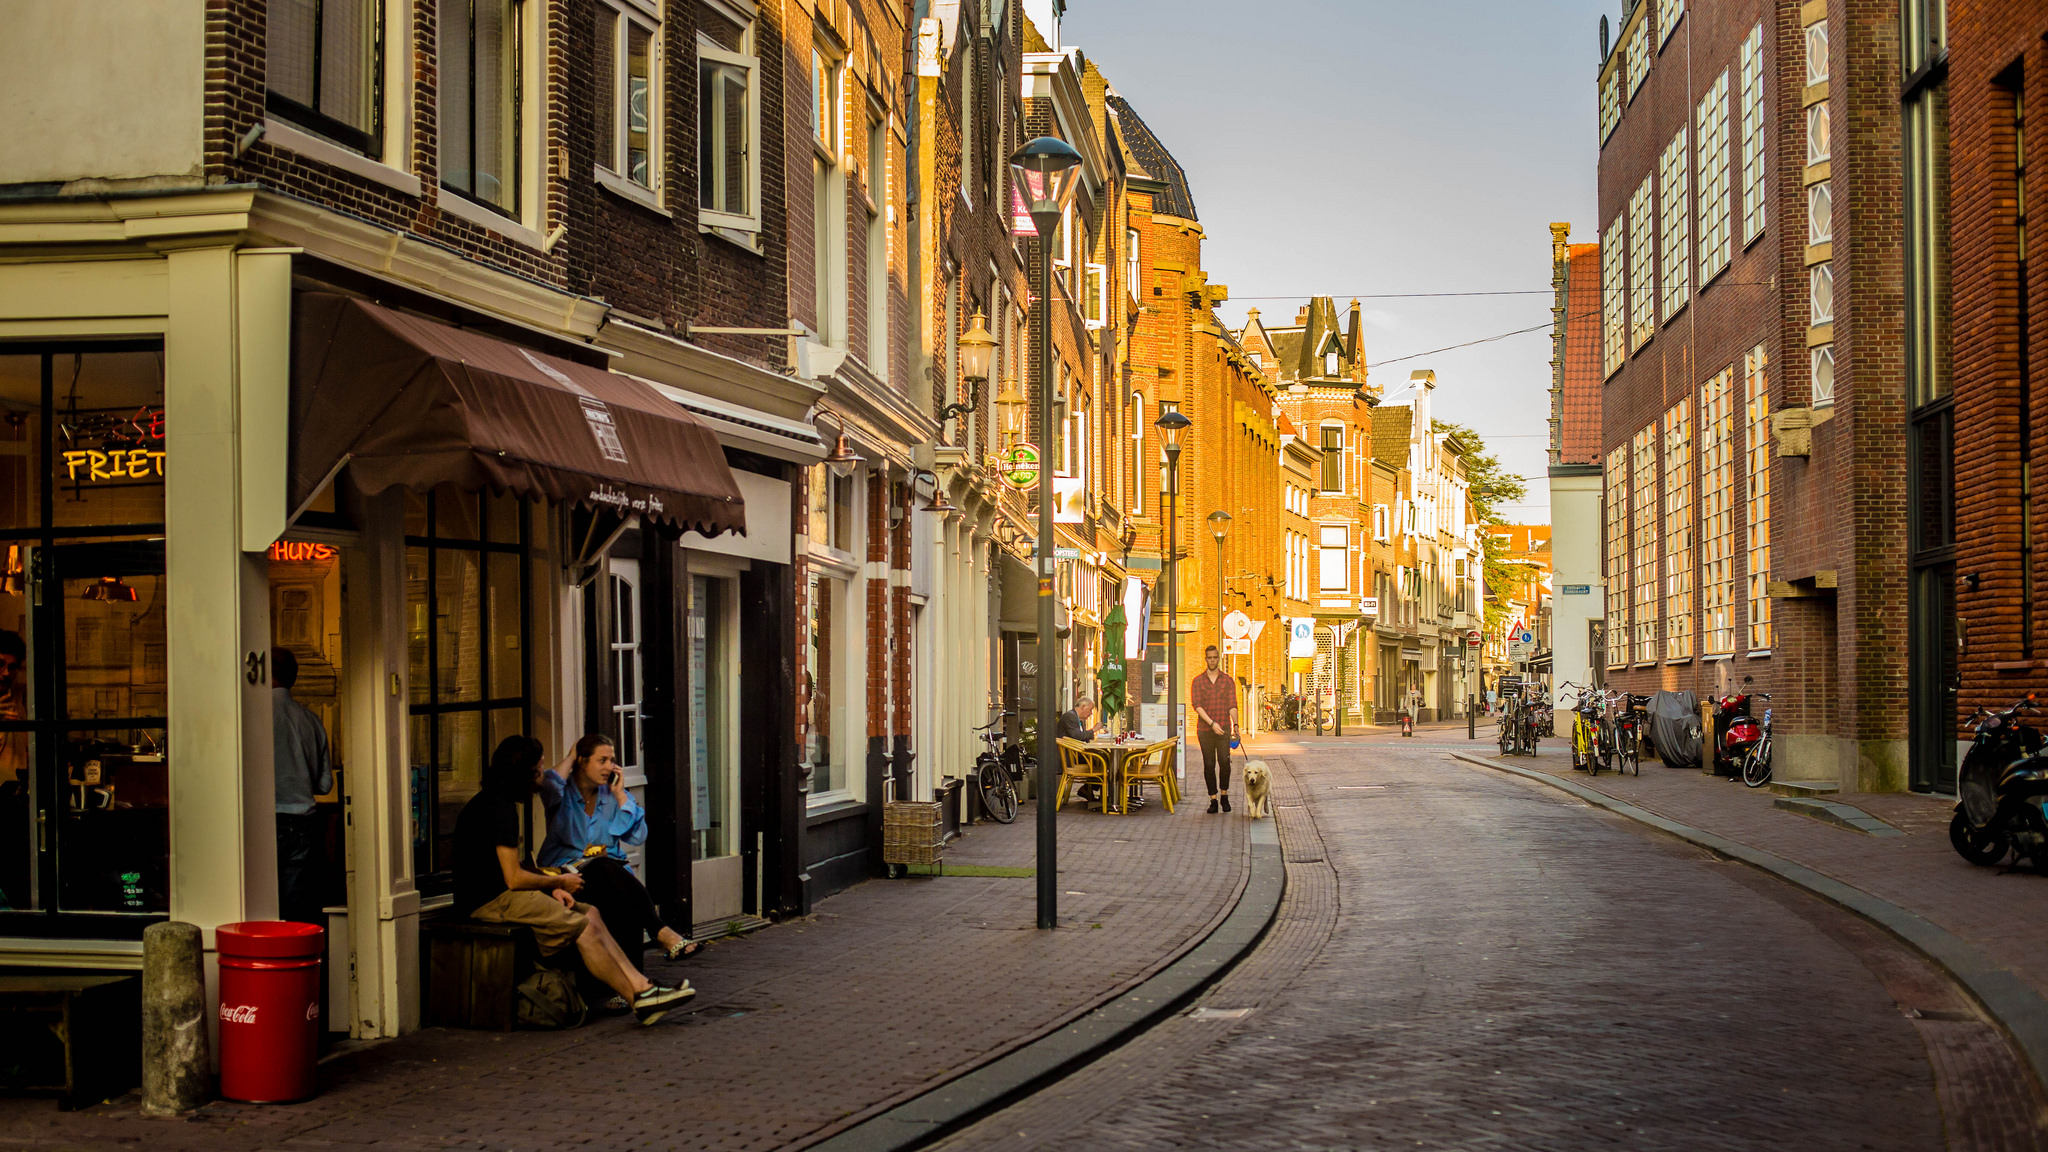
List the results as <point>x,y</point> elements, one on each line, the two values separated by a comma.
<point>1301,637</point>
<point>1258,626</point>
<point>1233,647</point>
<point>1237,626</point>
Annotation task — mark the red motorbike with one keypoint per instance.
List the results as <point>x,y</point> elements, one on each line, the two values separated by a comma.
<point>1737,733</point>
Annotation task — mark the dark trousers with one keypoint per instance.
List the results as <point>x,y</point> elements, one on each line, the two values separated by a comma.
<point>628,911</point>
<point>301,868</point>
<point>1216,761</point>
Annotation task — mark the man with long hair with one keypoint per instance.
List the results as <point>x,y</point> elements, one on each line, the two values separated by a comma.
<point>493,883</point>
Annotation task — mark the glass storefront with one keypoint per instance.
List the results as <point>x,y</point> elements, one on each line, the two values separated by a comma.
<point>467,602</point>
<point>84,777</point>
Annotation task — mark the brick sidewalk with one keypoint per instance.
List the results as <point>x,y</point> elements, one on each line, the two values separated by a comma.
<point>887,990</point>
<point>2004,915</point>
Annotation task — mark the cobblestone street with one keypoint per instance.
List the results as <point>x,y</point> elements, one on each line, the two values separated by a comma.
<point>1465,960</point>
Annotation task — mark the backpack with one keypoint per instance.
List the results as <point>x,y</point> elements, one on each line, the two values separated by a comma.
<point>548,1001</point>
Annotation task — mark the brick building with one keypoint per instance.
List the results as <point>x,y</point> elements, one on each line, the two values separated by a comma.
<point>1578,620</point>
<point>1753,420</point>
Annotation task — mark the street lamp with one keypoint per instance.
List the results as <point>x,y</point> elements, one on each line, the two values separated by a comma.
<point>1046,172</point>
<point>1171,424</point>
<point>977,352</point>
<point>1010,410</point>
<point>1219,527</point>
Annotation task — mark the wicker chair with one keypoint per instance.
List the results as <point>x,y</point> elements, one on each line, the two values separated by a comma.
<point>1079,765</point>
<point>1154,765</point>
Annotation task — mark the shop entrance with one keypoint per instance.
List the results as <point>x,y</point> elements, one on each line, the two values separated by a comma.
<point>717,874</point>
<point>306,611</point>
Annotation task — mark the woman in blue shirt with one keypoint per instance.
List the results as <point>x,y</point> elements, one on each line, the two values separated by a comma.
<point>592,819</point>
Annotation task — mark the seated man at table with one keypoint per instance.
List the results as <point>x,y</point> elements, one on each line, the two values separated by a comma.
<point>1077,723</point>
<point>493,883</point>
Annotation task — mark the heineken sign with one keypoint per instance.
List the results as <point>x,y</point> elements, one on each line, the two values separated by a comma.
<point>1020,466</point>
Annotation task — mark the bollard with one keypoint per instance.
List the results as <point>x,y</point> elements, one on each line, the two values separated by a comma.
<point>1471,717</point>
<point>176,1073</point>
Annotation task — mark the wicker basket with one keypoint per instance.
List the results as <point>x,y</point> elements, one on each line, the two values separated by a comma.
<point>913,832</point>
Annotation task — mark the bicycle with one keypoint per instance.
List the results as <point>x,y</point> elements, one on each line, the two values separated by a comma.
<point>1590,745</point>
<point>1628,732</point>
<point>997,770</point>
<point>1756,764</point>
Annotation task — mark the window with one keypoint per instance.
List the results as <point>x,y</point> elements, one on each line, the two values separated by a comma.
<point>1678,531</point>
<point>324,69</point>
<point>1757,450</point>
<point>1637,55</point>
<point>481,95</point>
<point>828,201</point>
<point>1643,473</point>
<point>970,160</point>
<point>728,125</point>
<point>1817,53</point>
<point>626,99</point>
<point>1712,124</point>
<point>1333,458</point>
<point>1717,511</point>
<point>1752,68</point>
<point>1132,265</point>
<point>825,602</point>
<point>1094,295</point>
<point>1613,297</point>
<point>1336,557</point>
<point>1615,571</point>
<point>1379,522</point>
<point>628,680</point>
<point>1669,12</point>
<point>1642,248</point>
<point>1820,283</point>
<point>1673,210</point>
<point>84,606</point>
<point>467,600</point>
<point>1823,367</point>
<point>876,173</point>
<point>1610,104</point>
<point>1817,147</point>
<point>1820,213</point>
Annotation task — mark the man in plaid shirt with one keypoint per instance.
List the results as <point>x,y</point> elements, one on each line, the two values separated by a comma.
<point>1214,696</point>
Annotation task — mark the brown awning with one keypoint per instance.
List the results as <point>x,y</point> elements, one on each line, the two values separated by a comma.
<point>409,402</point>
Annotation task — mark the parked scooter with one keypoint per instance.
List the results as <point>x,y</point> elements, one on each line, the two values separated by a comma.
<point>2002,786</point>
<point>1737,732</point>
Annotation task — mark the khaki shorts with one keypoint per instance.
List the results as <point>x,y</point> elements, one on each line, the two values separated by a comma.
<point>554,927</point>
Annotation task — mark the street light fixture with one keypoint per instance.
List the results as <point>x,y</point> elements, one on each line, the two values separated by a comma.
<point>977,352</point>
<point>1046,171</point>
<point>1219,527</point>
<point>843,459</point>
<point>1010,409</point>
<point>1171,424</point>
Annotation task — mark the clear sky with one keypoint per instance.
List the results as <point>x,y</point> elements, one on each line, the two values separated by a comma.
<point>1382,147</point>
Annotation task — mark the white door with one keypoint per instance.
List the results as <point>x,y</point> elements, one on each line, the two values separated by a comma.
<point>717,874</point>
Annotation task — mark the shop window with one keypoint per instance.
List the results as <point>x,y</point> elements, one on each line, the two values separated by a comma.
<point>467,601</point>
<point>826,601</point>
<point>712,774</point>
<point>84,774</point>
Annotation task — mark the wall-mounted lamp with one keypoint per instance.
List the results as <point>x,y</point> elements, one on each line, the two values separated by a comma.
<point>938,502</point>
<point>843,459</point>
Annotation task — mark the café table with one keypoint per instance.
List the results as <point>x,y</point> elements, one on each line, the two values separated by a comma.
<point>1114,753</point>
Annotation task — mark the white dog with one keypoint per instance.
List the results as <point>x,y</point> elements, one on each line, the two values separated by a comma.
<point>1257,783</point>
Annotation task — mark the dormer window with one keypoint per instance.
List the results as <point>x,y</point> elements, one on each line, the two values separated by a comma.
<point>1330,363</point>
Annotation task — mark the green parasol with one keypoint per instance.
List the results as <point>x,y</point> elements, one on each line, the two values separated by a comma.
<point>1109,679</point>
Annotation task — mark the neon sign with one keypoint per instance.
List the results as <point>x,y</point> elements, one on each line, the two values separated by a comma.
<point>296,552</point>
<point>114,464</point>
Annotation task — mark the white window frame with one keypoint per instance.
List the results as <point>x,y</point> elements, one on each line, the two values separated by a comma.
<point>1816,37</point>
<point>828,144</point>
<point>707,217</point>
<point>1636,56</point>
<point>1821,365</point>
<point>1642,262</point>
<point>629,13</point>
<point>1095,295</point>
<point>1820,213</point>
<point>1133,263</point>
<point>1715,249</point>
<point>875,188</point>
<point>1752,113</point>
<point>1669,13</point>
<point>1614,294</point>
<point>1820,293</point>
<point>1819,134</point>
<point>1342,562</point>
<point>1674,210</point>
<point>1610,105</point>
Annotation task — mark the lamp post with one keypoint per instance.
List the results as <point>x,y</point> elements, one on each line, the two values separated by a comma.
<point>1171,425</point>
<point>1219,527</point>
<point>1046,171</point>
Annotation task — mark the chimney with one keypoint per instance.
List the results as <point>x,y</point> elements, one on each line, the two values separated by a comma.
<point>1352,343</point>
<point>1423,380</point>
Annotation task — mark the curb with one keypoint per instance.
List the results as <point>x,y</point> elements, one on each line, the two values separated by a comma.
<point>958,1103</point>
<point>2010,1000</point>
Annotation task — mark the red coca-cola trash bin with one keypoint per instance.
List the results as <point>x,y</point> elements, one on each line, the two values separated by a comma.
<point>269,1009</point>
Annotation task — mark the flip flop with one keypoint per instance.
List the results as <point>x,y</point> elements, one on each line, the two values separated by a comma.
<point>682,948</point>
